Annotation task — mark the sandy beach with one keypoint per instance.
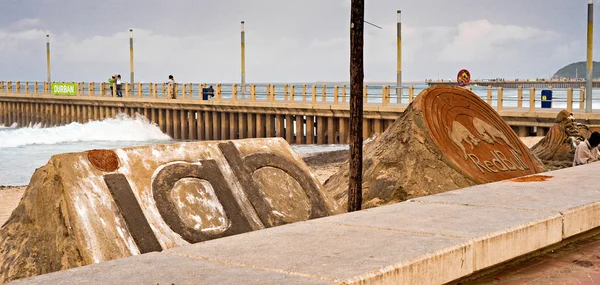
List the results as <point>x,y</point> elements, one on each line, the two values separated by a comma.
<point>323,165</point>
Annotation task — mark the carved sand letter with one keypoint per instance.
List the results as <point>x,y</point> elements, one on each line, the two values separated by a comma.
<point>460,133</point>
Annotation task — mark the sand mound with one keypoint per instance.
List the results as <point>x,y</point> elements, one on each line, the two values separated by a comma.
<point>557,149</point>
<point>448,138</point>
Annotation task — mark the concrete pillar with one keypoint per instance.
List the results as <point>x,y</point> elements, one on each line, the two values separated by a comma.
<point>192,128</point>
<point>335,95</point>
<point>289,129</point>
<point>292,94</point>
<point>344,130</point>
<point>279,126</point>
<point>489,95</point>
<point>252,92</point>
<point>208,126</point>
<point>411,93</point>
<point>299,129</point>
<point>234,92</point>
<point>201,125</point>
<point>523,131</point>
<point>581,98</point>
<point>304,92</point>
<point>176,124</point>
<point>184,124</point>
<point>242,125</point>
<point>378,126</point>
<point>184,91</point>
<point>314,94</point>
<point>531,99</point>
<point>225,126</point>
<point>251,131</point>
<point>321,129</point>
<point>330,130</point>
<point>161,120</point>
<point>260,125</point>
<point>367,130</point>
<point>233,125</point>
<point>541,131</point>
<point>285,92</point>
<point>215,126</point>
<point>520,97</point>
<point>500,98</point>
<point>310,129</point>
<point>570,99</point>
<point>366,94</point>
<point>270,127</point>
<point>169,122</point>
<point>324,93</point>
<point>344,93</point>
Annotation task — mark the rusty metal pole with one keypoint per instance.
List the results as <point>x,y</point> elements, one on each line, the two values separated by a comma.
<point>357,17</point>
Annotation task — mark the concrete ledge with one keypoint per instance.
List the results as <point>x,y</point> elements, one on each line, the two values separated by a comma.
<point>428,240</point>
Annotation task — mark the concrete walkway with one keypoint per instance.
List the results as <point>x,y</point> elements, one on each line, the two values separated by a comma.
<point>429,240</point>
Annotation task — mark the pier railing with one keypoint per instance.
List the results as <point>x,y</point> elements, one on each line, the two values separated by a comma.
<point>316,94</point>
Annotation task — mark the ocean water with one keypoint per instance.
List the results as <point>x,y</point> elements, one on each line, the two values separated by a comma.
<point>22,150</point>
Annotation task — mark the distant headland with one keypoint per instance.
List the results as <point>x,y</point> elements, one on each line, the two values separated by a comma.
<point>577,70</point>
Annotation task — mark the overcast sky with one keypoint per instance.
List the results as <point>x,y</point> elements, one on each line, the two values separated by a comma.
<point>289,41</point>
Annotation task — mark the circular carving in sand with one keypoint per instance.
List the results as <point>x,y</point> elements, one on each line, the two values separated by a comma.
<point>103,159</point>
<point>473,137</point>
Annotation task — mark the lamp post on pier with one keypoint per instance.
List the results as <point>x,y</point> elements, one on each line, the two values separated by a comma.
<point>48,60</point>
<point>590,66</point>
<point>131,59</point>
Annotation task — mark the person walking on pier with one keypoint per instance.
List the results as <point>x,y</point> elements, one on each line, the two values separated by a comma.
<point>118,81</point>
<point>587,151</point>
<point>111,82</point>
<point>171,87</point>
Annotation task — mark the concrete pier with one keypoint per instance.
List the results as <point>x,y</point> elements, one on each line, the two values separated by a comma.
<point>298,119</point>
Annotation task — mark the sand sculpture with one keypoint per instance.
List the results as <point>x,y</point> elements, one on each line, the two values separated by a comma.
<point>95,206</point>
<point>448,138</point>
<point>557,149</point>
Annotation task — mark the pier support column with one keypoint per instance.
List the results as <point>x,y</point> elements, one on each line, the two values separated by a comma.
<point>344,130</point>
<point>523,131</point>
<point>208,126</point>
<point>541,131</point>
<point>251,131</point>
<point>279,126</point>
<point>225,126</point>
<point>260,125</point>
<point>367,130</point>
<point>331,130</point>
<point>289,129</point>
<point>184,124</point>
<point>242,125</point>
<point>216,126</point>
<point>270,127</point>
<point>233,126</point>
<point>321,129</point>
<point>169,122</point>
<point>310,129</point>
<point>175,122</point>
<point>201,125</point>
<point>299,129</point>
<point>378,126</point>
<point>192,125</point>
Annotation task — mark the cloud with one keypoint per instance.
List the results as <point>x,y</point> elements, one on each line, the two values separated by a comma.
<point>479,45</point>
<point>25,23</point>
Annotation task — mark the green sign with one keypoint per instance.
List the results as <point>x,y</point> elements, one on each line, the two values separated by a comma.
<point>69,89</point>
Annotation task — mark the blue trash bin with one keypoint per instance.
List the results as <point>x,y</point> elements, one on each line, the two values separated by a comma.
<point>205,93</point>
<point>546,98</point>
